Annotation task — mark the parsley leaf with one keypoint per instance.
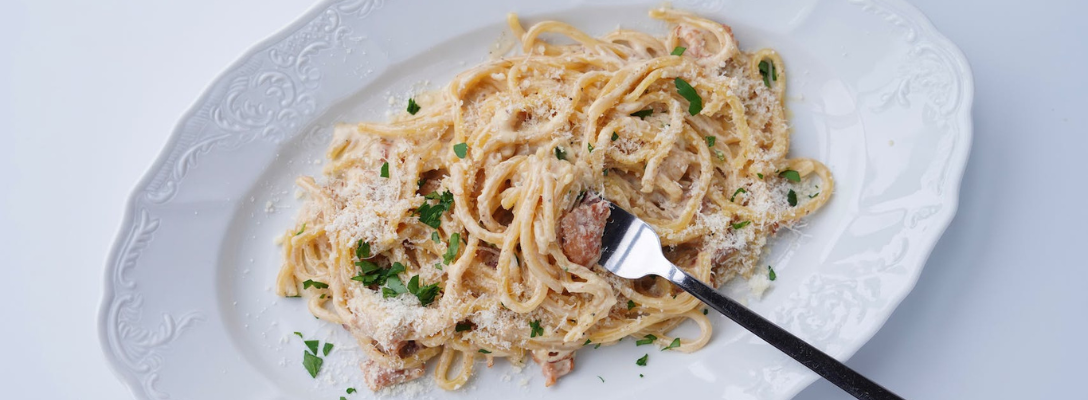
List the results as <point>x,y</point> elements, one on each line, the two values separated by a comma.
<point>597,346</point>
<point>431,215</point>
<point>312,344</point>
<point>812,196</point>
<point>435,238</point>
<point>451,252</point>
<point>535,329</point>
<point>770,273</point>
<point>791,175</point>
<point>484,351</point>
<point>642,361</point>
<point>325,350</point>
<point>560,153</point>
<point>590,146</point>
<point>413,108</point>
<point>643,113</point>
<point>766,69</point>
<point>460,149</point>
<point>461,327</point>
<point>759,175</point>
<point>299,334</point>
<point>705,311</point>
<point>710,141</point>
<point>587,342</point>
<point>739,191</point>
<point>599,377</point>
<point>393,287</point>
<point>312,363</point>
<point>791,197</point>
<point>685,89</point>
<point>385,170</point>
<point>741,224</point>
<point>425,293</point>
<point>646,340</point>
<point>615,136</point>
<point>362,250</point>
<point>630,304</point>
<point>301,230</point>
<point>678,51</point>
<point>317,285</point>
<point>351,390</point>
<point>675,343</point>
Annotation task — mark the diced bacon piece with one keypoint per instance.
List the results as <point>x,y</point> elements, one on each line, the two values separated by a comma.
<point>554,369</point>
<point>378,377</point>
<point>581,229</point>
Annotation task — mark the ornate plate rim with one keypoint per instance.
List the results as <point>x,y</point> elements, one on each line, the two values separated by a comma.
<point>115,263</point>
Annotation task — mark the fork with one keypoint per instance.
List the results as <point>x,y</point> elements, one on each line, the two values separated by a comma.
<point>632,250</point>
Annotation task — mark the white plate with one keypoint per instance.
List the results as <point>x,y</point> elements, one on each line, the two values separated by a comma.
<point>875,92</point>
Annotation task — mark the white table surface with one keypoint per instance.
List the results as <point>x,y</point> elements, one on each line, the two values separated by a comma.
<point>89,92</point>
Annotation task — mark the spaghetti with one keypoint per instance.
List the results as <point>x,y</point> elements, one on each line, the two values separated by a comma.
<point>465,229</point>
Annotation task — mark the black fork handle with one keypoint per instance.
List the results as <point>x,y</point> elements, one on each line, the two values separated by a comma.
<point>831,369</point>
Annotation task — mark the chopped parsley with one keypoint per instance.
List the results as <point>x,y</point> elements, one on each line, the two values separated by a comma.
<point>351,390</point>
<point>312,345</point>
<point>461,327</point>
<point>301,230</point>
<point>560,153</point>
<point>739,191</point>
<point>312,363</point>
<point>299,334</point>
<point>643,114</point>
<point>325,350</point>
<point>435,238</point>
<point>425,293</point>
<point>431,215</point>
<point>791,175</point>
<point>393,287</point>
<point>721,156</point>
<point>685,89</point>
<point>705,311</point>
<point>590,146</point>
<point>678,51</point>
<point>770,273</point>
<point>385,170</point>
<point>710,141</point>
<point>597,346</point>
<point>630,304</point>
<point>451,252</point>
<point>484,351</point>
<point>362,250</point>
<point>767,70</point>
<point>642,361</point>
<point>759,175</point>
<point>675,343</point>
<point>639,375</point>
<point>460,149</point>
<point>599,377</point>
<point>615,136</point>
<point>535,329</point>
<point>587,342</point>
<point>421,182</point>
<point>413,108</point>
<point>812,196</point>
<point>791,197</point>
<point>646,340</point>
<point>371,274</point>
<point>741,224</point>
<point>317,285</point>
